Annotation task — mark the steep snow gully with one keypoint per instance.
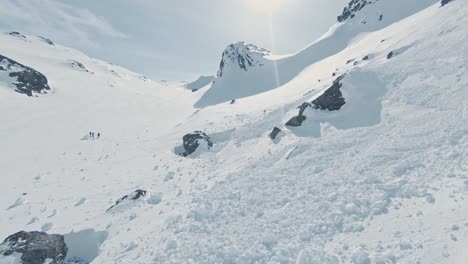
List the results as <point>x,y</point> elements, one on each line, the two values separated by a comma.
<point>376,171</point>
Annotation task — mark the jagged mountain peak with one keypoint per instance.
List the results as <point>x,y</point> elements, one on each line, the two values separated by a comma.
<point>241,55</point>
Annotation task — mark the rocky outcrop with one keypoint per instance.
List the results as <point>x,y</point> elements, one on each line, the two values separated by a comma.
<point>46,40</point>
<point>332,99</point>
<point>242,56</point>
<point>193,140</point>
<point>17,34</point>
<point>352,8</point>
<point>78,65</point>
<point>139,193</point>
<point>27,80</point>
<point>444,2</point>
<point>35,247</point>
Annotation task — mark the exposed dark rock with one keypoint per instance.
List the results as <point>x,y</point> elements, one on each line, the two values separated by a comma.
<point>275,133</point>
<point>28,80</point>
<point>390,55</point>
<point>356,63</point>
<point>353,7</point>
<point>192,142</point>
<point>380,17</point>
<point>444,2</point>
<point>366,58</point>
<point>233,101</point>
<point>78,65</point>
<point>17,34</point>
<point>46,40</point>
<point>35,247</point>
<point>332,99</point>
<point>349,61</point>
<point>297,120</point>
<point>139,193</point>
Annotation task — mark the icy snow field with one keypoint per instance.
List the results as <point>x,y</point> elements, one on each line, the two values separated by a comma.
<point>383,180</point>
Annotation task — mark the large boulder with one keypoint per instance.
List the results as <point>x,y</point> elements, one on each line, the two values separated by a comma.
<point>332,99</point>
<point>34,248</point>
<point>27,80</point>
<point>194,140</point>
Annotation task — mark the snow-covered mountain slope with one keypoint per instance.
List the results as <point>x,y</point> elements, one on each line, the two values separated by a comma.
<point>200,83</point>
<point>273,71</point>
<point>381,180</point>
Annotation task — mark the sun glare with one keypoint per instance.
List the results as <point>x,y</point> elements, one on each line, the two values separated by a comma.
<point>268,6</point>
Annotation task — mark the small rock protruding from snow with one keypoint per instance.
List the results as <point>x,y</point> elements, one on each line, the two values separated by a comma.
<point>35,247</point>
<point>390,55</point>
<point>139,193</point>
<point>444,2</point>
<point>275,133</point>
<point>194,140</point>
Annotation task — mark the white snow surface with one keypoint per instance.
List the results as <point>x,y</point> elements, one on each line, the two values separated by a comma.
<point>383,180</point>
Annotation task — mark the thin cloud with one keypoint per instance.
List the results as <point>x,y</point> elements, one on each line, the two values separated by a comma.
<point>52,18</point>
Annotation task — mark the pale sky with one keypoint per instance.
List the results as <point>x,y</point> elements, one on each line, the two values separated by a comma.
<point>171,39</point>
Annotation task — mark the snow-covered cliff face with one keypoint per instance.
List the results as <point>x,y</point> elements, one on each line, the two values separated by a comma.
<point>241,56</point>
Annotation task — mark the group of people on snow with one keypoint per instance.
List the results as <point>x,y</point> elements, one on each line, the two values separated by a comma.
<point>91,135</point>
